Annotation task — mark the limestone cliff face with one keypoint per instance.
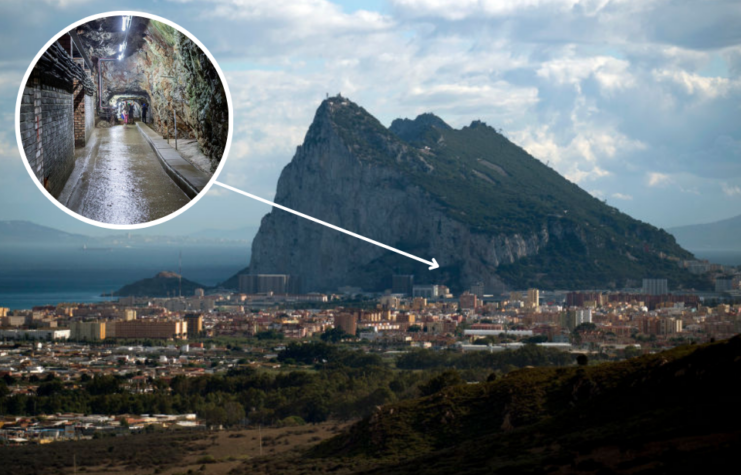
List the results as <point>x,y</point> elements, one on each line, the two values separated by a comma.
<point>354,173</point>
<point>329,180</point>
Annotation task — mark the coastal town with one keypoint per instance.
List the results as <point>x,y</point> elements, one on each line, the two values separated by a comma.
<point>143,341</point>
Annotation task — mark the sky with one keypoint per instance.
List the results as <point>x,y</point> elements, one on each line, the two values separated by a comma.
<point>636,101</point>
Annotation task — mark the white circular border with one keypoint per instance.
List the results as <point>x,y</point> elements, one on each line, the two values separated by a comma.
<point>174,213</point>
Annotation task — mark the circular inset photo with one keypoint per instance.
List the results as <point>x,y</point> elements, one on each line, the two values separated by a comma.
<point>124,120</point>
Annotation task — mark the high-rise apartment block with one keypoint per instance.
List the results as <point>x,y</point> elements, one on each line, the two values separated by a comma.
<point>267,283</point>
<point>347,322</point>
<point>402,284</point>
<point>468,300</point>
<point>90,331</point>
<point>655,286</point>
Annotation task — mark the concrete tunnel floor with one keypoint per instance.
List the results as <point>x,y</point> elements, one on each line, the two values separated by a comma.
<point>118,179</point>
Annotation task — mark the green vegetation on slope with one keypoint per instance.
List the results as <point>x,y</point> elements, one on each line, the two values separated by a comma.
<point>536,418</point>
<point>334,383</point>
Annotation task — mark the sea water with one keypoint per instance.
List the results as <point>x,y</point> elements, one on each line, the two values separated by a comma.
<point>47,275</point>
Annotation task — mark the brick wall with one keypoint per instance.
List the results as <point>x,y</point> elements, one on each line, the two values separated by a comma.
<point>89,116</point>
<point>84,110</point>
<point>47,130</point>
<point>79,107</point>
<point>84,107</point>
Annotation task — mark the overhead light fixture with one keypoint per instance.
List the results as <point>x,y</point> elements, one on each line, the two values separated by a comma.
<point>126,22</point>
<point>120,48</point>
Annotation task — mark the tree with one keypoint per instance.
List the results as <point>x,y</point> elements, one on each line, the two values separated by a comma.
<point>101,385</point>
<point>445,379</point>
<point>536,339</point>
<point>334,335</point>
<point>234,413</point>
<point>582,360</point>
<point>213,414</point>
<point>308,353</point>
<point>50,388</point>
<point>585,327</point>
<point>414,328</point>
<point>269,335</point>
<point>632,352</point>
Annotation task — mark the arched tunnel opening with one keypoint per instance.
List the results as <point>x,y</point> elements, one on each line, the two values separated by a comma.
<point>103,90</point>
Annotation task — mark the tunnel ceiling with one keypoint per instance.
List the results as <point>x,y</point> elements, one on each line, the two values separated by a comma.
<point>102,37</point>
<point>166,68</point>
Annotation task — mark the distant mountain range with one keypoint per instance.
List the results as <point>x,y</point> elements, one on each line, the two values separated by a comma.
<point>242,234</point>
<point>722,235</point>
<point>29,233</point>
<point>482,206</point>
<point>26,232</point>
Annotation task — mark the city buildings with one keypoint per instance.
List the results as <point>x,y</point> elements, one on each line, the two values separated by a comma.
<point>402,284</point>
<point>655,286</point>
<point>468,301</point>
<point>269,283</point>
<point>165,329</point>
<point>91,331</point>
<point>346,322</point>
<point>426,291</point>
<point>194,324</point>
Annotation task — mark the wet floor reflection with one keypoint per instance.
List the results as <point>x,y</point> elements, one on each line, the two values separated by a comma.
<point>124,183</point>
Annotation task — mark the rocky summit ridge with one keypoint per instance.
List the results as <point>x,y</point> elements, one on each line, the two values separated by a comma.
<point>482,206</point>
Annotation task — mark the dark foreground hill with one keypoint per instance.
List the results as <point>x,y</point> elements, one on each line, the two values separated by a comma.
<point>672,412</point>
<point>164,284</point>
<point>482,206</point>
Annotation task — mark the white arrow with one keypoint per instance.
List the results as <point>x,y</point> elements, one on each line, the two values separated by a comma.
<point>433,264</point>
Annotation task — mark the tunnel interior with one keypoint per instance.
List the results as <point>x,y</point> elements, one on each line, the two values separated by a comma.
<point>85,79</point>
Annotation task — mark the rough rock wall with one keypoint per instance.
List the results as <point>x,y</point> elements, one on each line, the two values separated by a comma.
<point>206,98</point>
<point>168,71</point>
<point>324,176</point>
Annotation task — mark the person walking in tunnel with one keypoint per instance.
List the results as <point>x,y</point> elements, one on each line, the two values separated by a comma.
<point>131,112</point>
<point>144,112</point>
<point>125,114</point>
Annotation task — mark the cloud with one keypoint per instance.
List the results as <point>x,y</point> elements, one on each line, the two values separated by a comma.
<point>463,9</point>
<point>681,23</point>
<point>66,3</point>
<point>609,72</point>
<point>8,147</point>
<point>621,196</point>
<point>696,85</point>
<point>616,95</point>
<point>472,99</point>
<point>730,190</point>
<point>658,179</point>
